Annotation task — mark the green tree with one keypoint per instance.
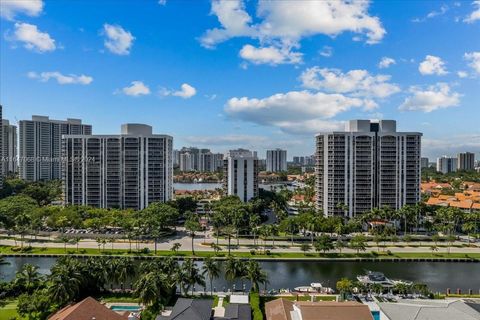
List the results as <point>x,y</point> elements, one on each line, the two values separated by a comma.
<point>212,270</point>
<point>36,305</point>
<point>305,247</point>
<point>191,275</point>
<point>324,244</point>
<point>192,225</point>
<point>27,279</point>
<point>156,218</point>
<point>344,286</point>
<point>254,273</point>
<point>175,247</point>
<point>359,243</point>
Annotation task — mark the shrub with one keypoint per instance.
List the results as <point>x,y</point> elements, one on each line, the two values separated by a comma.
<point>255,305</point>
<point>389,252</point>
<point>145,251</point>
<point>253,252</point>
<point>267,252</point>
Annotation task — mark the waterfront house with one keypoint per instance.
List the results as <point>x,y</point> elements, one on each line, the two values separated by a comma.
<point>282,309</point>
<point>464,309</point>
<point>88,309</point>
<point>190,309</point>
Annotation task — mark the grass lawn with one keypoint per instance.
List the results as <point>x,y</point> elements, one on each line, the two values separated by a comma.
<point>9,311</point>
<point>247,254</point>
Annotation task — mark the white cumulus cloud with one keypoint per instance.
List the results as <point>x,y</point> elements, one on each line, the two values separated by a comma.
<point>10,8</point>
<point>462,74</point>
<point>283,25</point>
<point>438,96</point>
<point>269,55</point>
<point>294,111</point>
<point>355,82</point>
<point>386,62</point>
<point>474,60</point>
<point>32,38</point>
<point>475,15</point>
<point>186,91</point>
<point>117,40</point>
<point>432,65</point>
<point>60,78</point>
<point>136,88</point>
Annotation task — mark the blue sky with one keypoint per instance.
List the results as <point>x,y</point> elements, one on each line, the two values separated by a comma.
<point>254,74</point>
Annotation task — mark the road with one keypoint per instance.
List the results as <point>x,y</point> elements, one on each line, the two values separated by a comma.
<point>203,240</point>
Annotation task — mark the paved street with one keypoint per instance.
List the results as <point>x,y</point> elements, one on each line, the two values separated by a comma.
<point>203,240</point>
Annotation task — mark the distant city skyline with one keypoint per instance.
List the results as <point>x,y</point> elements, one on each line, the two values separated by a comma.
<point>235,76</point>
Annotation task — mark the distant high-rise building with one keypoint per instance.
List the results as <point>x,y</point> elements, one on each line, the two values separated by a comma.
<point>126,171</point>
<point>368,166</point>
<point>9,148</point>
<point>466,161</point>
<point>186,161</point>
<point>241,174</point>
<point>176,158</point>
<point>276,160</point>
<point>424,162</point>
<point>447,164</point>
<point>202,160</point>
<point>40,146</point>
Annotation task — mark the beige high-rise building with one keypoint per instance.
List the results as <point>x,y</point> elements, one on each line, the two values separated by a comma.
<point>40,146</point>
<point>126,171</point>
<point>368,166</point>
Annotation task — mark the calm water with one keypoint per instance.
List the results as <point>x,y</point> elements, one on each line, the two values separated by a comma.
<point>213,186</point>
<point>437,275</point>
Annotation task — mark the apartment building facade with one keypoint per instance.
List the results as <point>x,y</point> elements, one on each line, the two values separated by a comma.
<point>447,164</point>
<point>202,160</point>
<point>370,165</point>
<point>466,161</point>
<point>241,174</point>
<point>276,160</point>
<point>126,171</point>
<point>40,147</point>
<point>9,148</point>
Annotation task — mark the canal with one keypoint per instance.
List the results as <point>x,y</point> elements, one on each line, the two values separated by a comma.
<point>289,274</point>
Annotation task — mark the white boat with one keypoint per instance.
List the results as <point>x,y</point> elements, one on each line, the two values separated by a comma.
<point>375,278</point>
<point>315,287</point>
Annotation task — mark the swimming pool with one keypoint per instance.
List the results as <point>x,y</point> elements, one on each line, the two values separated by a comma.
<point>125,308</point>
<point>376,315</point>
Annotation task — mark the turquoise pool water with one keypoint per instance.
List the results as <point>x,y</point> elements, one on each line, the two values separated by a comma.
<point>376,315</point>
<point>125,308</point>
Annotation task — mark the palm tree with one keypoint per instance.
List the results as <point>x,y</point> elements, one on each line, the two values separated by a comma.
<point>152,288</point>
<point>65,241</point>
<point>64,282</point>
<point>192,225</point>
<point>273,233</point>
<point>212,270</point>
<point>175,247</point>
<point>191,275</point>
<point>254,273</point>
<point>253,223</point>
<point>125,269</point>
<point>231,269</point>
<point>76,241</point>
<point>28,278</point>
<point>339,245</point>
